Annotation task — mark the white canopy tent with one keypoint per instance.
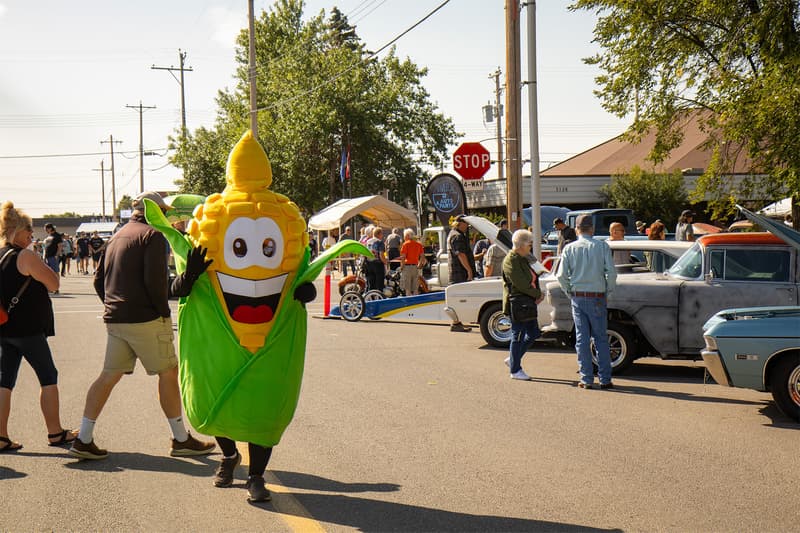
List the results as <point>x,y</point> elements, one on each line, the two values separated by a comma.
<point>376,209</point>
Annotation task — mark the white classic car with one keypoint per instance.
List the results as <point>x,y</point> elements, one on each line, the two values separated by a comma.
<point>480,301</point>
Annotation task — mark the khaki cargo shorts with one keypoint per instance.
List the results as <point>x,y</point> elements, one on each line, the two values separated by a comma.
<point>150,342</point>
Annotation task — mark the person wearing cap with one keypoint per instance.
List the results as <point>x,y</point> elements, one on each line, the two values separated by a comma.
<point>586,273</point>
<point>566,234</point>
<point>461,261</point>
<point>684,231</point>
<point>641,227</point>
<point>132,281</point>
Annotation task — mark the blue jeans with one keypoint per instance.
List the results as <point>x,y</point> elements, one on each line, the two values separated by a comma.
<point>52,262</point>
<point>591,320</point>
<point>522,336</point>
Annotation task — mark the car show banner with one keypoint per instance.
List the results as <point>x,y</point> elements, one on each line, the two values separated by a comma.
<point>447,196</point>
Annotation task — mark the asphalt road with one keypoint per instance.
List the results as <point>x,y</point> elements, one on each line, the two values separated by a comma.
<point>405,427</point>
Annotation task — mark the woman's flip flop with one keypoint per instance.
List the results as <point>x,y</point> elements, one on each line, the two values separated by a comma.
<point>65,436</point>
<point>10,446</point>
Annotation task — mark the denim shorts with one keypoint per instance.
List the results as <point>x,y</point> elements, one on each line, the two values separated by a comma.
<point>35,350</point>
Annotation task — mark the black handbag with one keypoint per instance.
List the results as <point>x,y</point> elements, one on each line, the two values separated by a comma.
<point>523,308</point>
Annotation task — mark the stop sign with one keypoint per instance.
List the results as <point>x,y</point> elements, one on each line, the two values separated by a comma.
<point>471,161</point>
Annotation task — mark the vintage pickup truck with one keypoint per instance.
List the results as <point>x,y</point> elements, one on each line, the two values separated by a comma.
<point>662,314</point>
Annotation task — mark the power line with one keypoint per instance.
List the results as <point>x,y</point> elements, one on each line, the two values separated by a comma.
<point>81,154</point>
<point>354,65</point>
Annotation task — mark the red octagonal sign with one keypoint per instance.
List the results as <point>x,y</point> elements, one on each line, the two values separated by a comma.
<point>471,161</point>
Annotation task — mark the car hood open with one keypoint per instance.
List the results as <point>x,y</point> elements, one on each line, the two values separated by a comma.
<point>779,229</point>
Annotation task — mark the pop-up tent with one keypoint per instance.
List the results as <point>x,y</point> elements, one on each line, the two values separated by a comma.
<point>376,209</point>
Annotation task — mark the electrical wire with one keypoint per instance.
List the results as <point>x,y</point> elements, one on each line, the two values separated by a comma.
<point>82,154</point>
<point>354,65</point>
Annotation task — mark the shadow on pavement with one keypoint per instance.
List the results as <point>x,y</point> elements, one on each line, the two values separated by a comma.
<point>642,371</point>
<point>779,420</point>
<point>371,515</point>
<point>10,473</point>
<point>301,480</point>
<point>199,466</point>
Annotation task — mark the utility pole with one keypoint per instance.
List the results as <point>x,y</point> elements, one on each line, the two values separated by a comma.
<point>498,112</point>
<point>141,109</point>
<point>102,186</point>
<point>533,117</point>
<point>251,69</point>
<point>182,69</point>
<point>513,159</point>
<point>111,142</point>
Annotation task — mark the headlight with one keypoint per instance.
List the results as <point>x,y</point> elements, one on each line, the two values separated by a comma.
<point>711,342</point>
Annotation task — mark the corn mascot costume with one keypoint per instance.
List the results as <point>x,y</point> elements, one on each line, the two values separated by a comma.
<point>242,329</point>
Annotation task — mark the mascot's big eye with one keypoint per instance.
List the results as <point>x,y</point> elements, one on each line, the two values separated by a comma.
<point>268,248</point>
<point>253,242</point>
<point>240,247</point>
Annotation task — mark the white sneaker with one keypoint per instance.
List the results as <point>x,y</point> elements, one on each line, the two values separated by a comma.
<point>521,375</point>
<point>507,361</point>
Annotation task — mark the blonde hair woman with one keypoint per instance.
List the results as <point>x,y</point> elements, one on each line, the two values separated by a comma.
<point>29,324</point>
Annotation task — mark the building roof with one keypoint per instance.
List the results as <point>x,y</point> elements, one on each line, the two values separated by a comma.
<point>617,156</point>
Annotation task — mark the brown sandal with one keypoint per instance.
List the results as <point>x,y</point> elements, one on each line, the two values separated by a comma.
<point>65,436</point>
<point>9,445</point>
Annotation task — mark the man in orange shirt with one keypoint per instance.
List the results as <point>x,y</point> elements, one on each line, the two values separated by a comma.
<point>412,256</point>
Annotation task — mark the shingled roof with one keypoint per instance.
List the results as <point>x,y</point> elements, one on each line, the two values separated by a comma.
<point>618,156</point>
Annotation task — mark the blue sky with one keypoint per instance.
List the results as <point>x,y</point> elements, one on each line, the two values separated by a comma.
<point>67,71</point>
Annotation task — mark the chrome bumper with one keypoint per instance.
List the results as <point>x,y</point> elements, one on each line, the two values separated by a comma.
<point>449,311</point>
<point>715,367</point>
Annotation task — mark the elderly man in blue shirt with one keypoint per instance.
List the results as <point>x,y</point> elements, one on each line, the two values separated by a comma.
<point>587,275</point>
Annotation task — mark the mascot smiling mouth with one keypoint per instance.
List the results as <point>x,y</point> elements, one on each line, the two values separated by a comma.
<point>251,301</point>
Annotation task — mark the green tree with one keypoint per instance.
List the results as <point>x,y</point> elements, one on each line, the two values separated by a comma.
<point>651,196</point>
<point>319,91</point>
<point>66,214</point>
<point>126,202</point>
<point>735,63</point>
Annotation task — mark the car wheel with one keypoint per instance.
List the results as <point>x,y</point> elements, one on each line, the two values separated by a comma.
<point>352,306</point>
<point>495,326</point>
<point>350,287</point>
<point>621,345</point>
<point>372,296</point>
<point>784,381</point>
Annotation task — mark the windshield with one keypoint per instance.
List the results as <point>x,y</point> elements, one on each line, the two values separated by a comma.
<point>690,264</point>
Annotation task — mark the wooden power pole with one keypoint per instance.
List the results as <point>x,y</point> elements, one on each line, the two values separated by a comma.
<point>111,142</point>
<point>181,69</point>
<point>513,113</point>
<point>141,109</point>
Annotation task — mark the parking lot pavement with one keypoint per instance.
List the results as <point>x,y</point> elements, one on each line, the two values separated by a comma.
<point>406,427</point>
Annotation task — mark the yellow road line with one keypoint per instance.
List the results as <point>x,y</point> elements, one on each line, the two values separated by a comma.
<point>292,511</point>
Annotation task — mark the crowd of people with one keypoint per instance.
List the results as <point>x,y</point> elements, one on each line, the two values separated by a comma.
<point>400,250</point>
<point>59,250</point>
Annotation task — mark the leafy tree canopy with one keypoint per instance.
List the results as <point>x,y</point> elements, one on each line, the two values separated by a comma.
<point>736,62</point>
<point>651,196</point>
<point>319,92</point>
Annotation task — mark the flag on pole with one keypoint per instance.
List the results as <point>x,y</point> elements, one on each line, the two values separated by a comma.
<point>343,166</point>
<point>347,168</point>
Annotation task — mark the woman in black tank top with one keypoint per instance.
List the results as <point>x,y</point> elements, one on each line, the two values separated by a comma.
<point>30,322</point>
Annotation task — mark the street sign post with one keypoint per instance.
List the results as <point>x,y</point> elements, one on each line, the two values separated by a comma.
<point>471,161</point>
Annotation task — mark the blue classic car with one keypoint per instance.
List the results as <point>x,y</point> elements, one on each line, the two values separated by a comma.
<point>757,348</point>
